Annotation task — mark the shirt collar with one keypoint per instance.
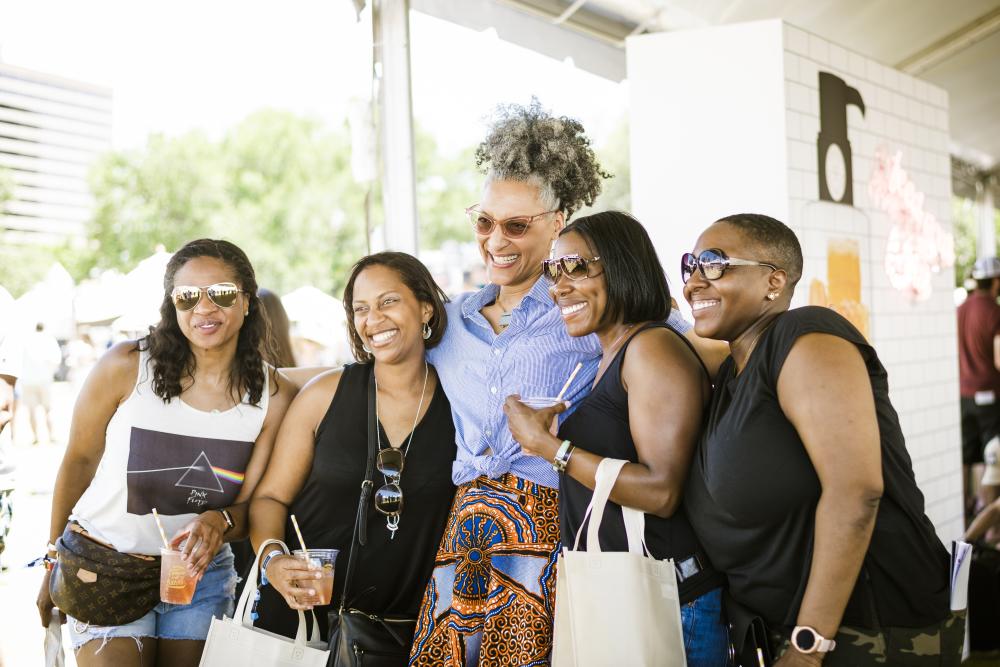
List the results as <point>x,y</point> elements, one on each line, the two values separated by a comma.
<point>538,293</point>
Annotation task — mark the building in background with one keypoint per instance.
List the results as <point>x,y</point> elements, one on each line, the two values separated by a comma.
<point>52,129</point>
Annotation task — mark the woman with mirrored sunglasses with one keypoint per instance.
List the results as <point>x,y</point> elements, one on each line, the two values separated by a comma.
<point>645,406</point>
<point>181,420</point>
<point>395,313</point>
<point>801,489</point>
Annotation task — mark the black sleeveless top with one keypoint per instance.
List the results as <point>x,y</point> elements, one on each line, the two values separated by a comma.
<point>600,425</point>
<point>389,575</point>
<point>753,492</point>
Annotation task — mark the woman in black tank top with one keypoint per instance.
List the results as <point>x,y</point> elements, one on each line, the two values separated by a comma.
<point>645,407</point>
<point>395,310</point>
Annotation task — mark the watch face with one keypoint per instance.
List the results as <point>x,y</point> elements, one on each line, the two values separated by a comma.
<point>805,639</point>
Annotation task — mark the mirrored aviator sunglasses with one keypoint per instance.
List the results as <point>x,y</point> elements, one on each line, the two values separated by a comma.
<point>389,497</point>
<point>573,267</point>
<point>223,295</point>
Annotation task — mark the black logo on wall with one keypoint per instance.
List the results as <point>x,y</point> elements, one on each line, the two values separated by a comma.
<point>836,181</point>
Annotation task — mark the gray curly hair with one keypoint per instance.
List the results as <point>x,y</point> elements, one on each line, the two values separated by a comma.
<point>527,144</point>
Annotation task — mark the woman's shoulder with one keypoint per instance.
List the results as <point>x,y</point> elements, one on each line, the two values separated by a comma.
<point>121,361</point>
<point>798,322</point>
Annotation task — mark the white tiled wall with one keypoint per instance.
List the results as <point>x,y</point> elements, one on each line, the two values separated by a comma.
<point>725,119</point>
<point>916,341</point>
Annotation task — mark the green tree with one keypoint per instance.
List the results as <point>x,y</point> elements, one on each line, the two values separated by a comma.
<point>278,185</point>
<point>965,214</point>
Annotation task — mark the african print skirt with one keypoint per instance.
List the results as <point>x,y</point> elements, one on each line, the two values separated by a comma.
<point>490,600</point>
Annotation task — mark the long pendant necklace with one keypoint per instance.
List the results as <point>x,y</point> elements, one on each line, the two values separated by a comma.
<point>392,520</point>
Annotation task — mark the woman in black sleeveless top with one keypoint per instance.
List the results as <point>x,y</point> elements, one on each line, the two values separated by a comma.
<point>645,407</point>
<point>395,311</point>
<point>801,490</point>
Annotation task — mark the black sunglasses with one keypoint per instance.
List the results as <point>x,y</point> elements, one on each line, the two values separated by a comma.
<point>573,267</point>
<point>389,498</point>
<point>713,264</point>
<point>513,228</point>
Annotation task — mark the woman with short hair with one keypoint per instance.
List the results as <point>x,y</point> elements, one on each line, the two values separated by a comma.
<point>802,491</point>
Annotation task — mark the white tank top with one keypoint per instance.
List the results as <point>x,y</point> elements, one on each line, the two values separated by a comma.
<point>171,456</point>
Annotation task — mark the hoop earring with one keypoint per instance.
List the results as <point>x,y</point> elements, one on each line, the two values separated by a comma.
<point>427,333</point>
<point>367,349</point>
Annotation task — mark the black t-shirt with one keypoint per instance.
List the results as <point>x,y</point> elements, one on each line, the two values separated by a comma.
<point>753,492</point>
<point>389,574</point>
<point>600,425</point>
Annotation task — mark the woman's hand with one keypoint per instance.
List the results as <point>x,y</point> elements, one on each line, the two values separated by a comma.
<point>295,579</point>
<point>534,430</point>
<point>44,602</point>
<point>204,537</point>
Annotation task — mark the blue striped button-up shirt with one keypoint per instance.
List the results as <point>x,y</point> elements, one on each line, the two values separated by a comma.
<point>478,369</point>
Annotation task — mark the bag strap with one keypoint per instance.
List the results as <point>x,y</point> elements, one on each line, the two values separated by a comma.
<point>243,609</point>
<point>360,535</point>
<point>635,520</point>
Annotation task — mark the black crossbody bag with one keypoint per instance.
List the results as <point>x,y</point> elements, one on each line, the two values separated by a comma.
<point>358,638</point>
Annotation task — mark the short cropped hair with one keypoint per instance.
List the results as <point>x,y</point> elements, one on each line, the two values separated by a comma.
<point>637,286</point>
<point>774,239</point>
<point>417,279</point>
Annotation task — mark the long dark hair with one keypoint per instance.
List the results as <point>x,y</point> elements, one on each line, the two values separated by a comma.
<point>171,352</point>
<point>416,277</point>
<point>277,319</point>
<point>637,286</point>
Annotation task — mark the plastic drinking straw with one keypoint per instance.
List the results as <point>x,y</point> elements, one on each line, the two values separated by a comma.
<point>166,545</point>
<point>298,534</point>
<point>569,381</point>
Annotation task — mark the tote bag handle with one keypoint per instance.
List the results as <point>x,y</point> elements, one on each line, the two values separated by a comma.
<point>243,608</point>
<point>635,520</point>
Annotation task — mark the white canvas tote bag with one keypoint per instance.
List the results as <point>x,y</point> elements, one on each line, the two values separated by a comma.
<point>234,641</point>
<point>615,607</point>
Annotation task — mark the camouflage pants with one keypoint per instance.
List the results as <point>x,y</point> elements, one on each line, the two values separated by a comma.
<point>938,645</point>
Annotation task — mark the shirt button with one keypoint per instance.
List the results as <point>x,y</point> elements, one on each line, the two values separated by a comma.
<point>489,432</point>
<point>493,390</point>
<point>496,353</point>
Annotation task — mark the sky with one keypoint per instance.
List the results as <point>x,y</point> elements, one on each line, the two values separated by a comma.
<point>187,64</point>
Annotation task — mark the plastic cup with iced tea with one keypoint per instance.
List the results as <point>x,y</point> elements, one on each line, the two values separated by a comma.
<point>324,561</point>
<point>177,584</point>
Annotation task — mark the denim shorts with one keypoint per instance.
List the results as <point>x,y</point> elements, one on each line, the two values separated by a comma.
<point>212,597</point>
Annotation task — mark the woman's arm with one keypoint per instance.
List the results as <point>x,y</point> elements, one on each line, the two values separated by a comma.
<point>108,385</point>
<point>284,477</point>
<point>825,391</point>
<point>667,390</point>
<point>206,532</point>
<point>988,518</point>
<point>299,376</point>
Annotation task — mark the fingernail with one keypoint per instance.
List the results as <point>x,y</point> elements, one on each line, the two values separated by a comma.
<point>312,592</point>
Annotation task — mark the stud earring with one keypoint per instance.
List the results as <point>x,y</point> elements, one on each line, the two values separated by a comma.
<point>771,296</point>
<point>427,331</point>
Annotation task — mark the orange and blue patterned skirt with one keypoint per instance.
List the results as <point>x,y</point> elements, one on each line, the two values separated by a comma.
<point>490,600</point>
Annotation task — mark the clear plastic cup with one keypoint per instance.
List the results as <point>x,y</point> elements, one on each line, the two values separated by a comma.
<point>539,402</point>
<point>323,560</point>
<point>177,584</point>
